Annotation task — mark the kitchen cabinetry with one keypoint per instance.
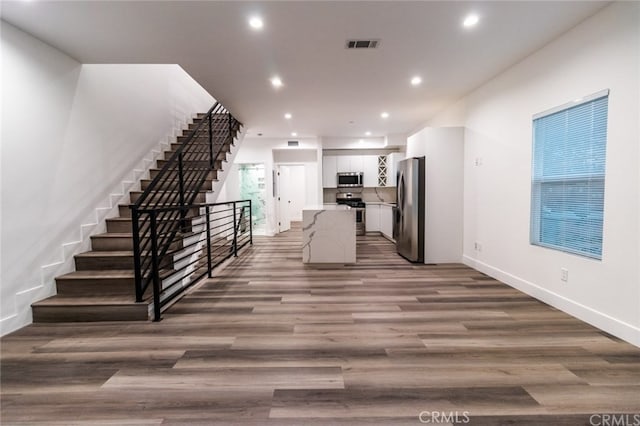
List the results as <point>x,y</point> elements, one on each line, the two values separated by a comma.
<point>329,170</point>
<point>392,167</point>
<point>386,220</point>
<point>366,164</point>
<point>349,163</point>
<point>372,215</point>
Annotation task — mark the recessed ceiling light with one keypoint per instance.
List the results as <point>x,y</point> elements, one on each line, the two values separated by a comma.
<point>256,23</point>
<point>276,82</point>
<point>470,20</point>
<point>294,134</point>
<point>384,115</point>
<point>415,81</point>
<point>367,133</point>
<point>288,116</point>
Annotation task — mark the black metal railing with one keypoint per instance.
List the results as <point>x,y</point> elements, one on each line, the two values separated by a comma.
<point>210,234</point>
<point>175,189</point>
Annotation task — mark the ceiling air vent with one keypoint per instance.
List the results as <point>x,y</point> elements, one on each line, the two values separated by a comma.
<point>362,44</point>
<point>293,143</point>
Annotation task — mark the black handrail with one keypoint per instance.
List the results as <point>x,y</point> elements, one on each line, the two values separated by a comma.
<point>177,184</point>
<point>216,235</point>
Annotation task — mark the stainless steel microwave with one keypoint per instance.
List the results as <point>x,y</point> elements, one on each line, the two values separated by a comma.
<point>350,180</point>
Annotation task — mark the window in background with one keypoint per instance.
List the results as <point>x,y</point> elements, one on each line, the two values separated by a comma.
<point>568,172</point>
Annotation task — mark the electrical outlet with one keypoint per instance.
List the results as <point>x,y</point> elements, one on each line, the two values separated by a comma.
<point>564,274</point>
<point>477,246</point>
<point>478,161</point>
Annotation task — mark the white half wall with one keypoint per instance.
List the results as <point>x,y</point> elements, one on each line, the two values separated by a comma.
<point>72,136</point>
<point>603,52</point>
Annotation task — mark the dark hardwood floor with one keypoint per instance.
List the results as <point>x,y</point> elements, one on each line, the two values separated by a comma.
<point>271,341</point>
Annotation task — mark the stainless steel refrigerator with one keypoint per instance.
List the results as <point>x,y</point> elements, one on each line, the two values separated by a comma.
<point>409,213</point>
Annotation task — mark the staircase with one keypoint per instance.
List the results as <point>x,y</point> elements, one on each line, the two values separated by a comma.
<point>102,288</point>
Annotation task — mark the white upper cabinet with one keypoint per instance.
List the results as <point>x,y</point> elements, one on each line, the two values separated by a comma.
<point>357,163</point>
<point>343,164</point>
<point>370,170</point>
<point>392,167</point>
<point>329,171</point>
<point>350,163</point>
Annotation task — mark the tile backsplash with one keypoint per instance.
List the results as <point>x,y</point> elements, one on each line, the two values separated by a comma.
<point>380,194</point>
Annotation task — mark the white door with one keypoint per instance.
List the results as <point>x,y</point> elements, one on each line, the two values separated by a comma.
<point>284,222</point>
<point>292,195</point>
<point>297,192</point>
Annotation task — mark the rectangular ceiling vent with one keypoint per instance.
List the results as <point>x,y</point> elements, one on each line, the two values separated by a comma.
<point>363,44</point>
<point>293,143</point>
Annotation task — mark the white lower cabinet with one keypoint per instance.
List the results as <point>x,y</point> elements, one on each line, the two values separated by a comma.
<point>386,220</point>
<point>372,216</point>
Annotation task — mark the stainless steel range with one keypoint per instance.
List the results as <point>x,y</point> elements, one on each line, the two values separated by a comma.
<point>355,202</point>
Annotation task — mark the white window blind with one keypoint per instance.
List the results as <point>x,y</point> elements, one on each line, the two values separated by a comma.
<point>567,189</point>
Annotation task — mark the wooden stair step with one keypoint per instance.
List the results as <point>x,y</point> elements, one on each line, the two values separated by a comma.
<point>89,309</point>
<point>119,224</point>
<point>123,225</point>
<point>125,211</point>
<point>116,241</point>
<point>167,195</point>
<point>107,282</point>
<point>199,148</point>
<point>193,163</point>
<point>173,183</point>
<point>104,260</point>
<point>112,241</point>
<point>212,174</point>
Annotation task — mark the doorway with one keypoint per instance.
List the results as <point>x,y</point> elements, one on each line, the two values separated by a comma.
<point>291,194</point>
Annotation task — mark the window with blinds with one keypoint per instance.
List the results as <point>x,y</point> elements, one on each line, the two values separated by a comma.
<point>568,172</point>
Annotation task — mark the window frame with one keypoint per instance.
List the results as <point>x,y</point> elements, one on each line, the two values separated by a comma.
<point>538,182</point>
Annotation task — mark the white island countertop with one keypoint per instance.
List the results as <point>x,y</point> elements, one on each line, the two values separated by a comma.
<point>328,234</point>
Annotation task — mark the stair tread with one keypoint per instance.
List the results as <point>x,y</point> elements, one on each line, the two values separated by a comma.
<point>109,253</point>
<point>88,301</point>
<point>113,235</point>
<point>83,275</point>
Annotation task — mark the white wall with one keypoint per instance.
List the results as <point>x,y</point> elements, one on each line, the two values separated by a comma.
<point>71,135</point>
<point>443,149</point>
<point>602,52</point>
<point>261,150</point>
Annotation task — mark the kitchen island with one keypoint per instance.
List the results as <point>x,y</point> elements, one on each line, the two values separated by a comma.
<point>328,234</point>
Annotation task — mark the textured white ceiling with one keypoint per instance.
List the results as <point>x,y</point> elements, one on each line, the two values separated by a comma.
<point>331,91</point>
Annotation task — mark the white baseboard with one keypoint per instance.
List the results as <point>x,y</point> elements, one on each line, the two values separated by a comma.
<point>605,322</point>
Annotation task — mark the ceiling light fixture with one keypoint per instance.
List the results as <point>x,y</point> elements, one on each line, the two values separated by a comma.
<point>415,81</point>
<point>276,82</point>
<point>294,134</point>
<point>384,115</point>
<point>367,133</point>
<point>256,23</point>
<point>288,116</point>
<point>470,20</point>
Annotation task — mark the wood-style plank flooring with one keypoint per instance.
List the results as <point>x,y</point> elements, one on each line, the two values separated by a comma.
<point>271,341</point>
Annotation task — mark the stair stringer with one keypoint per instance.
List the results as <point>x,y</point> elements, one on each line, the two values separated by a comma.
<point>63,262</point>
